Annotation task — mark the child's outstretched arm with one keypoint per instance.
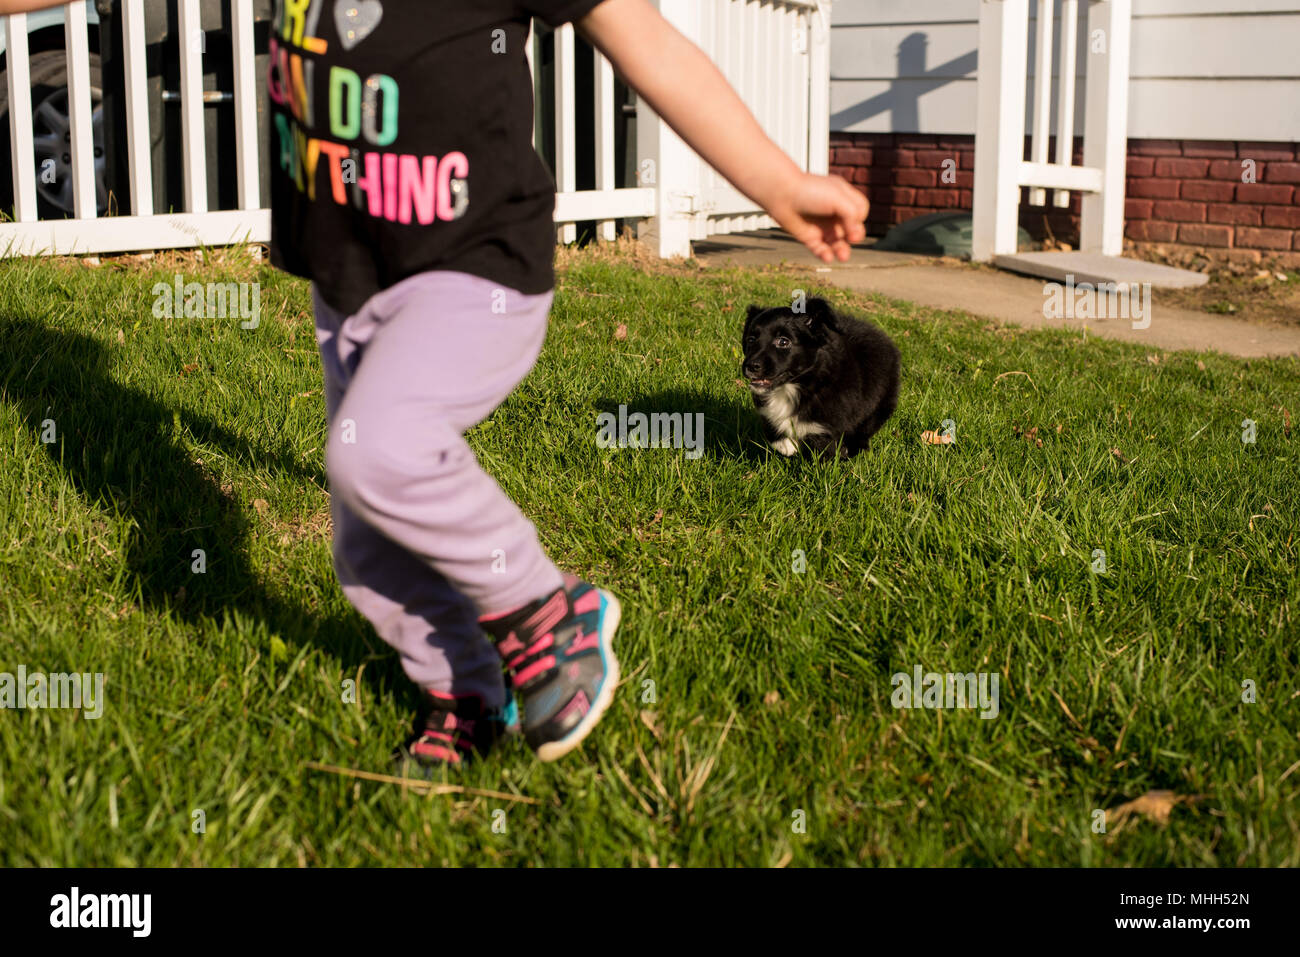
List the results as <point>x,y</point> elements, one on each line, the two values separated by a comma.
<point>683,86</point>
<point>27,6</point>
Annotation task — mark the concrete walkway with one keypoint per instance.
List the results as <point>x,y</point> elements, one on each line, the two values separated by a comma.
<point>994,294</point>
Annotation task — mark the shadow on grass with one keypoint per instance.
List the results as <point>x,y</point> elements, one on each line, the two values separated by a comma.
<point>731,427</point>
<point>121,449</point>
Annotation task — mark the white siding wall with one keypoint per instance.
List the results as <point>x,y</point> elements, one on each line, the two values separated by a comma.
<point>1201,69</point>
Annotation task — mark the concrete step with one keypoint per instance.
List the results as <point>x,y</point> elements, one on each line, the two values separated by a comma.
<point>1096,269</point>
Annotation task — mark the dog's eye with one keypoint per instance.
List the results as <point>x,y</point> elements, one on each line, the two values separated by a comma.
<point>782,342</point>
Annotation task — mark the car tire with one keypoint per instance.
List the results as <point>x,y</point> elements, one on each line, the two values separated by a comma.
<point>52,140</point>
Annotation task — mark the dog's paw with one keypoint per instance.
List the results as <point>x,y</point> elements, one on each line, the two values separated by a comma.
<point>785,447</point>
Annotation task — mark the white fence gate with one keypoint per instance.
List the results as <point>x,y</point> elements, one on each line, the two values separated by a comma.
<point>775,52</point>
<point>1000,169</point>
<point>777,57</point>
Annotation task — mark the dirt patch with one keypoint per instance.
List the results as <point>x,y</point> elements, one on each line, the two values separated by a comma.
<point>1258,291</point>
<point>239,262</point>
<point>315,528</point>
<point>625,249</point>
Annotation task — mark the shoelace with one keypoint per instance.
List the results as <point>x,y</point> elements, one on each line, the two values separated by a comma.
<point>527,662</point>
<point>455,732</point>
<point>531,662</point>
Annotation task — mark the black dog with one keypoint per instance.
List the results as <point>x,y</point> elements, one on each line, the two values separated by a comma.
<point>819,378</point>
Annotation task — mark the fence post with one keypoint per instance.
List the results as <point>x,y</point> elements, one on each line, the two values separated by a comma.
<point>1105,130</point>
<point>76,42</point>
<point>194,161</point>
<point>819,88</point>
<point>999,127</point>
<point>604,121</point>
<point>1065,100</point>
<point>664,162</point>
<point>17,77</point>
<point>137,108</point>
<point>1042,95</point>
<point>248,181</point>
<point>566,122</point>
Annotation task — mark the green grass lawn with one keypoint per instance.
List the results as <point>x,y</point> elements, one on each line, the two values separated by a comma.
<point>754,725</point>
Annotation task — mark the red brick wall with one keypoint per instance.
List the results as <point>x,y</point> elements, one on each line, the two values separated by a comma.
<point>1182,192</point>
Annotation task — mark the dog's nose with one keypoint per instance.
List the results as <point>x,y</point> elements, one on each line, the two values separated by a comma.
<point>750,367</point>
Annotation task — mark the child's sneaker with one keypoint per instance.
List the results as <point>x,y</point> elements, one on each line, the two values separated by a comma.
<point>559,653</point>
<point>509,715</point>
<point>451,730</point>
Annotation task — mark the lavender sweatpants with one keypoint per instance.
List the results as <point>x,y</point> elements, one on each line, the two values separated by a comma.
<point>424,540</point>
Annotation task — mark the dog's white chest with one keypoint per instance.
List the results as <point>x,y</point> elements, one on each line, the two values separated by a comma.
<point>779,409</point>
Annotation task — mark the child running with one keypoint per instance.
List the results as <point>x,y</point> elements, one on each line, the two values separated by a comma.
<point>406,188</point>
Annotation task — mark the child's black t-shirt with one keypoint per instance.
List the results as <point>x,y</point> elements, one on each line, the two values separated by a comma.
<point>401,141</point>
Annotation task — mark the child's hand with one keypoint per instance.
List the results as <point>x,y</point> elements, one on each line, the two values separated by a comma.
<point>824,213</point>
<point>681,84</point>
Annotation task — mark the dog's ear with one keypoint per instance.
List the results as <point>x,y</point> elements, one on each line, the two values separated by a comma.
<point>750,314</point>
<point>817,313</point>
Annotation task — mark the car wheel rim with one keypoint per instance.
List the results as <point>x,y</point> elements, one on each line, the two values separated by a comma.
<point>52,142</point>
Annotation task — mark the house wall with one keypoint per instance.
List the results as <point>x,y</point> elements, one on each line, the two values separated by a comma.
<point>1213,83</point>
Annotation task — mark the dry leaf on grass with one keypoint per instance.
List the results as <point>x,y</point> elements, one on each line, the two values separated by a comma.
<point>260,505</point>
<point>1154,806</point>
<point>1027,376</point>
<point>648,719</point>
<point>621,332</point>
<point>771,698</point>
<point>1030,435</point>
<point>932,437</point>
<point>417,784</point>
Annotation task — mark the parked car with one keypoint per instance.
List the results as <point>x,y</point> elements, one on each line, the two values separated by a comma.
<point>51,126</point>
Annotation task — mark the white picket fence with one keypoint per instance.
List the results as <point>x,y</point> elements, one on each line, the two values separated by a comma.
<point>777,57</point>
<point>775,52</point>
<point>1001,170</point>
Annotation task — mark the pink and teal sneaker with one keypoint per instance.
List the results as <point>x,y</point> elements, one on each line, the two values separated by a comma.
<point>559,655</point>
<point>451,730</point>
